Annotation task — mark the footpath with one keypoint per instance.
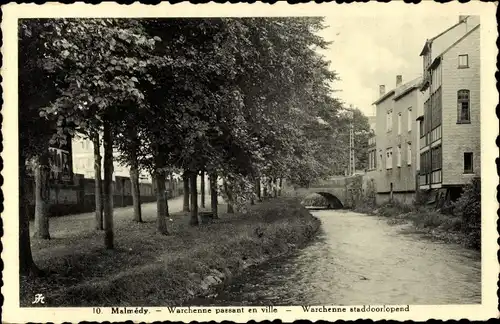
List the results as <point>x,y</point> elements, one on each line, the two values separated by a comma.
<point>150,269</point>
<point>78,224</point>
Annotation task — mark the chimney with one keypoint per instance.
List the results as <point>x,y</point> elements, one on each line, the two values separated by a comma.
<point>399,80</point>
<point>382,90</point>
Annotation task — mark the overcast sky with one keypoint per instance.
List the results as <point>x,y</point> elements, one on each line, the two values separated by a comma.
<point>369,51</point>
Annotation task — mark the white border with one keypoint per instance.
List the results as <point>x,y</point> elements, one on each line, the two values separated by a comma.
<point>489,151</point>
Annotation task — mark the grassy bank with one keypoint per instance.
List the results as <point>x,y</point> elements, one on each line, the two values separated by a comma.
<point>148,269</point>
<point>426,220</point>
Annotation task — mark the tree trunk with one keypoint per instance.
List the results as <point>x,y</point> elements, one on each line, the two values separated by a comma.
<point>275,187</point>
<point>280,186</point>
<point>202,189</point>
<point>270,187</point>
<point>42,195</point>
<point>136,194</point>
<point>265,189</point>
<point>26,264</point>
<point>194,199</point>
<point>185,179</point>
<point>97,182</point>
<point>108,186</point>
<point>230,208</point>
<point>172,185</point>
<point>259,194</point>
<point>213,194</point>
<point>134,179</point>
<point>161,204</point>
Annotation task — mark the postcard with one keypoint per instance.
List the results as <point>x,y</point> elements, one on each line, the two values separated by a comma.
<point>240,162</point>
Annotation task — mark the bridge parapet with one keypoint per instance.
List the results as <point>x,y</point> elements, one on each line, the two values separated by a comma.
<point>346,189</point>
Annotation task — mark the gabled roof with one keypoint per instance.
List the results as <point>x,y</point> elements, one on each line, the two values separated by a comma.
<point>400,91</point>
<point>385,96</point>
<point>438,58</point>
<point>429,41</point>
<point>406,88</point>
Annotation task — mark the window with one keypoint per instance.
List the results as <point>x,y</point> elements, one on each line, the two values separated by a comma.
<point>399,156</point>
<point>399,124</point>
<point>463,61</point>
<point>436,161</point>
<point>468,167</point>
<point>463,98</point>
<point>410,120</point>
<point>388,158</point>
<point>389,121</point>
<point>408,153</point>
<point>422,128</point>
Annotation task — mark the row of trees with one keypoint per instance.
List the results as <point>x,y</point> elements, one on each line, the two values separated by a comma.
<point>246,100</point>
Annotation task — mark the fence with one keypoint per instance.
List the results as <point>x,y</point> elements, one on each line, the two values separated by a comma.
<point>79,196</point>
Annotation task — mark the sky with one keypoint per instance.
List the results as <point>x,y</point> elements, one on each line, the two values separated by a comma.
<point>368,51</point>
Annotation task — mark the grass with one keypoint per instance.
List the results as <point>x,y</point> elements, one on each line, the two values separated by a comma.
<point>148,269</point>
<point>425,220</point>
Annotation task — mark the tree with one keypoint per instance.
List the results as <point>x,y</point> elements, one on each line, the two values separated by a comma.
<point>37,89</point>
<point>98,182</point>
<point>202,188</point>
<point>108,185</point>
<point>99,61</point>
<point>42,194</point>
<point>186,192</point>
<point>194,198</point>
<point>213,195</point>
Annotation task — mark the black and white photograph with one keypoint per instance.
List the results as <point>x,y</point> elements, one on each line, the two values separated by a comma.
<point>294,164</point>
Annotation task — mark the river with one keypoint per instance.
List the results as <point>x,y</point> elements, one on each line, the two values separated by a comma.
<point>359,259</point>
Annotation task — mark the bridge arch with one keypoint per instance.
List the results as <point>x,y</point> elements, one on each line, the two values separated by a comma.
<point>332,200</point>
<point>326,199</point>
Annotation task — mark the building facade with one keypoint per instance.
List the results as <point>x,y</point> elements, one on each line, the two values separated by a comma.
<point>83,161</point>
<point>449,128</point>
<point>395,141</point>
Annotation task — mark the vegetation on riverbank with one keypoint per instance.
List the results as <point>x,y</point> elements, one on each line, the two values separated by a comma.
<point>315,200</point>
<point>147,269</point>
<point>458,222</point>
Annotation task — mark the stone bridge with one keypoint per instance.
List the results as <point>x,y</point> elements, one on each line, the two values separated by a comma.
<point>340,192</point>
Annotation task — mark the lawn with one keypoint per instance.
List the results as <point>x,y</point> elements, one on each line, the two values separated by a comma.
<point>148,269</point>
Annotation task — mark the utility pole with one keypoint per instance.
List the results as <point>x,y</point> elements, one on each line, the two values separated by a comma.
<point>352,161</point>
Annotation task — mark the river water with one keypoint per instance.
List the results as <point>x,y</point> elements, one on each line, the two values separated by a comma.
<point>357,260</point>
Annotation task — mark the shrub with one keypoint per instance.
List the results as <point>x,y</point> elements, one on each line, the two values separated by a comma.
<point>468,208</point>
<point>315,199</point>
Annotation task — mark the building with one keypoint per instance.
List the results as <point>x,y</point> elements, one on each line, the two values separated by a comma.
<point>392,149</point>
<point>372,148</point>
<point>83,161</point>
<point>449,127</point>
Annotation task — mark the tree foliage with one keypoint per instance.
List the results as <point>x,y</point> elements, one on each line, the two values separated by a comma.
<point>246,98</point>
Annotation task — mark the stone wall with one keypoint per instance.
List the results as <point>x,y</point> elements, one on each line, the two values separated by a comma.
<point>79,196</point>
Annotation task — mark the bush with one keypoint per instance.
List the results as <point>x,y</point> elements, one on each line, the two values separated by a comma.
<point>315,200</point>
<point>468,208</point>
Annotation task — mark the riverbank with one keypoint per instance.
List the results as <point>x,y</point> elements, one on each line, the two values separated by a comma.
<point>429,222</point>
<point>151,270</point>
